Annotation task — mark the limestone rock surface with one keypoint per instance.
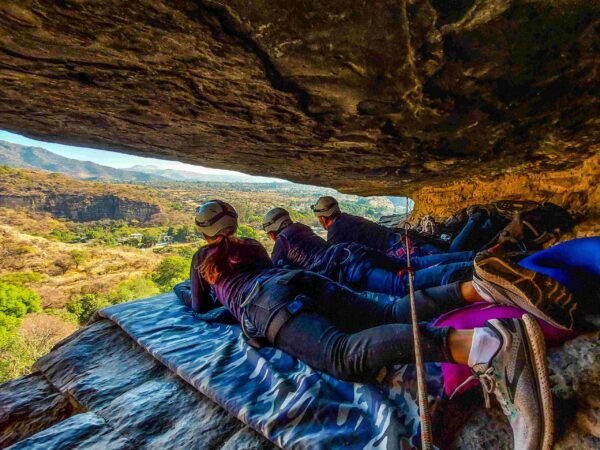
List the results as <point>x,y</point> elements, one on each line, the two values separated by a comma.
<point>98,389</point>
<point>367,97</point>
<point>575,189</point>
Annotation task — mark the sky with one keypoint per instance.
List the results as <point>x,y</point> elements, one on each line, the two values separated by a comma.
<point>119,160</point>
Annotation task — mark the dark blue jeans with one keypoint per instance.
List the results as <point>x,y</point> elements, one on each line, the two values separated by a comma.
<point>391,283</point>
<point>477,232</point>
<point>375,274</point>
<point>423,262</point>
<point>352,338</point>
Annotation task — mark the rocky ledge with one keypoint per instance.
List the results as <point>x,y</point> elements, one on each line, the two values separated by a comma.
<point>379,98</point>
<point>98,388</point>
<point>83,207</point>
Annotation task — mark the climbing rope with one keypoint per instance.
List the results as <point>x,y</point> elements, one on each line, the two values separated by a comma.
<point>426,435</point>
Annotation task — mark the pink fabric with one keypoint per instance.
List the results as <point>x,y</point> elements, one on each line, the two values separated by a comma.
<point>474,316</point>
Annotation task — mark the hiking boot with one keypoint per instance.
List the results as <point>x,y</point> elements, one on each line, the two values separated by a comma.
<point>508,208</point>
<point>499,280</point>
<point>483,210</point>
<point>517,375</point>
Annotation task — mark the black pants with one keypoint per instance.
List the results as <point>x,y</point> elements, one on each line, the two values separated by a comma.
<point>351,337</point>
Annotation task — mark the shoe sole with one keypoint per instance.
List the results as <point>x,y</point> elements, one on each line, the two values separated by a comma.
<point>537,345</point>
<point>507,208</point>
<point>499,278</point>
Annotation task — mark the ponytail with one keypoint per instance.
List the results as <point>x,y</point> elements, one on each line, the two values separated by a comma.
<point>228,254</point>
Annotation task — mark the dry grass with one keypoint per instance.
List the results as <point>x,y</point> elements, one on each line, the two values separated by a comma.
<point>105,268</point>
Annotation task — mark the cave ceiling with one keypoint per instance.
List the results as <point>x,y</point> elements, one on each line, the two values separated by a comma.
<point>369,97</point>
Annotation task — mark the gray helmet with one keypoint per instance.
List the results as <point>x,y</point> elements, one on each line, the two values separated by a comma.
<point>325,207</point>
<point>216,218</point>
<point>276,219</point>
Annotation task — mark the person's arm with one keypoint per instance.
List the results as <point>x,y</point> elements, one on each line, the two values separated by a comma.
<point>279,253</point>
<point>202,300</point>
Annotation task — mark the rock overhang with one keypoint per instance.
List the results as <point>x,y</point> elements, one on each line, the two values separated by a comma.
<point>368,98</point>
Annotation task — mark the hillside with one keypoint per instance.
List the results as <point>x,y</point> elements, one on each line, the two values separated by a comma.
<point>186,175</point>
<point>15,155</point>
<point>74,199</point>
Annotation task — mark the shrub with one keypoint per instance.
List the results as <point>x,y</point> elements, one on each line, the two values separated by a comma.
<point>84,306</point>
<point>21,278</point>
<point>79,257</point>
<point>63,235</point>
<point>64,263</point>
<point>132,290</point>
<point>41,331</point>
<point>8,323</point>
<point>12,363</point>
<point>170,271</point>
<point>25,249</point>
<point>17,301</point>
<point>62,314</point>
<point>244,231</point>
<point>21,347</point>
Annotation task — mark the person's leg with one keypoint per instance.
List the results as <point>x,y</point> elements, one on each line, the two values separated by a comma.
<point>367,274</point>
<point>438,275</point>
<point>314,339</point>
<point>504,348</point>
<point>423,262</point>
<point>351,311</point>
<point>476,316</point>
<point>469,236</point>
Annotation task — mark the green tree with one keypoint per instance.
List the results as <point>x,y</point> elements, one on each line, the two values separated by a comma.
<point>79,257</point>
<point>187,251</point>
<point>16,301</point>
<point>132,289</point>
<point>170,271</point>
<point>150,237</point>
<point>63,235</point>
<point>84,306</point>
<point>244,231</point>
<point>7,324</point>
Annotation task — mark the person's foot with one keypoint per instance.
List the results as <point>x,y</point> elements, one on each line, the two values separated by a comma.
<point>516,373</point>
<point>481,211</point>
<point>499,280</point>
<point>508,208</point>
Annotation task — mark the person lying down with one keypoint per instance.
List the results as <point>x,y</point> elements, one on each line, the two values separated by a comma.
<point>337,331</point>
<point>357,266</point>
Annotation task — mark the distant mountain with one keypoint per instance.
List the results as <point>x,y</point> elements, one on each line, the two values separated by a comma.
<point>186,175</point>
<point>25,157</point>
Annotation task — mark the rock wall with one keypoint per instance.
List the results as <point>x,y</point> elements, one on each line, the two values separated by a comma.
<point>83,208</point>
<point>575,189</point>
<point>368,97</point>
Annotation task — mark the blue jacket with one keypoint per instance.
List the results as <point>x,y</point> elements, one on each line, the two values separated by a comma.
<point>298,246</point>
<point>349,228</point>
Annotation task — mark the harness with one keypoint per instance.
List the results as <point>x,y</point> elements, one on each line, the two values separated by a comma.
<point>283,309</point>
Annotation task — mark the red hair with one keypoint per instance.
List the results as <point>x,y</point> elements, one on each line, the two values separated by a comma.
<point>229,255</point>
